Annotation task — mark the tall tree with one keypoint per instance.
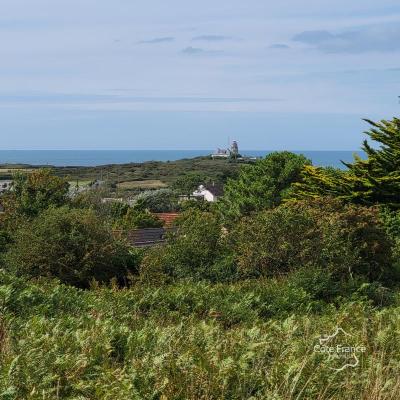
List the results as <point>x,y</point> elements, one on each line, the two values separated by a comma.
<point>374,180</point>
<point>262,185</point>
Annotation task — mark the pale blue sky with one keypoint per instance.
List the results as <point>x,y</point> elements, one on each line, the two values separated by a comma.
<point>124,74</point>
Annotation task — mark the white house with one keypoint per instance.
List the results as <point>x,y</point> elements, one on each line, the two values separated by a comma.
<point>209,193</point>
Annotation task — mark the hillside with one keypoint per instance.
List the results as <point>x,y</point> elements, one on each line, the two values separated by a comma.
<point>152,174</point>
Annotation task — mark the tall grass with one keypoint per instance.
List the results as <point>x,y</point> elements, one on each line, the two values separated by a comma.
<point>253,340</point>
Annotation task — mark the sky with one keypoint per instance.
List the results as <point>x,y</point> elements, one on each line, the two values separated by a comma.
<point>156,74</point>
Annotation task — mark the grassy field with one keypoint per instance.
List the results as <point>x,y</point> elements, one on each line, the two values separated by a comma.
<point>143,184</point>
<point>253,340</point>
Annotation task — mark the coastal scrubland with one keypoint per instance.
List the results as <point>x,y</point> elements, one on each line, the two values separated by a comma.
<point>286,288</point>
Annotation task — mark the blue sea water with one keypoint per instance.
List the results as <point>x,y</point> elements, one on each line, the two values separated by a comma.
<point>103,157</point>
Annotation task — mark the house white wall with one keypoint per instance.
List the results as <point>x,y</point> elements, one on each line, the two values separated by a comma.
<point>206,194</point>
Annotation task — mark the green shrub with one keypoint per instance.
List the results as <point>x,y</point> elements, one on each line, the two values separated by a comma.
<point>346,240</point>
<point>34,192</point>
<point>118,210</point>
<point>136,219</point>
<point>69,244</point>
<point>195,250</point>
<point>161,200</point>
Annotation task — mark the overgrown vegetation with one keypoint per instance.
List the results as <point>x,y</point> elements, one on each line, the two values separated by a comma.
<point>231,307</point>
<point>250,340</point>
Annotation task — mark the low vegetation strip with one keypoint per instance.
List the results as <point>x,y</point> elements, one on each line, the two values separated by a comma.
<point>252,340</point>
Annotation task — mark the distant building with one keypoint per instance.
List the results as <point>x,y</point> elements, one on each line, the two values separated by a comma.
<point>234,149</point>
<point>232,152</point>
<point>209,193</point>
<point>220,153</point>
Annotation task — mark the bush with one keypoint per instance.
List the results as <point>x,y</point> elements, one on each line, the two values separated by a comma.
<point>346,240</point>
<point>195,250</point>
<point>136,219</point>
<point>34,192</point>
<point>69,244</point>
<point>162,200</point>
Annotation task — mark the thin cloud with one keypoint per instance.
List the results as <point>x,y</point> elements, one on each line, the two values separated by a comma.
<point>279,46</point>
<point>167,39</point>
<point>212,38</point>
<point>373,38</point>
<point>313,37</point>
<point>78,98</point>
<point>192,51</point>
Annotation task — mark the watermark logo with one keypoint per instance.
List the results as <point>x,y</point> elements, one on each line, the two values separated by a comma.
<point>340,353</point>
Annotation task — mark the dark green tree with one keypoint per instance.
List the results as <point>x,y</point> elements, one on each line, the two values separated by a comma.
<point>374,180</point>
<point>261,185</point>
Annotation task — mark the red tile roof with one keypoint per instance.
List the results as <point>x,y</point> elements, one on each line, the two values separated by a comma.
<point>167,218</point>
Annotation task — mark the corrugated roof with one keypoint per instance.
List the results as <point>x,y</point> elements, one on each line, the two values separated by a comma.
<point>146,237</point>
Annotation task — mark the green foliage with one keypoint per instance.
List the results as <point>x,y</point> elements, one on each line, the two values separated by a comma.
<point>69,244</point>
<point>189,341</point>
<point>136,219</point>
<point>118,210</point>
<point>346,240</point>
<point>189,182</point>
<point>36,191</point>
<point>158,201</point>
<point>375,180</point>
<point>5,241</point>
<point>191,251</point>
<point>93,199</point>
<point>262,185</point>
<point>196,203</point>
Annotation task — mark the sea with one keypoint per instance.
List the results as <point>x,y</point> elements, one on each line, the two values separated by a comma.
<point>91,158</point>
